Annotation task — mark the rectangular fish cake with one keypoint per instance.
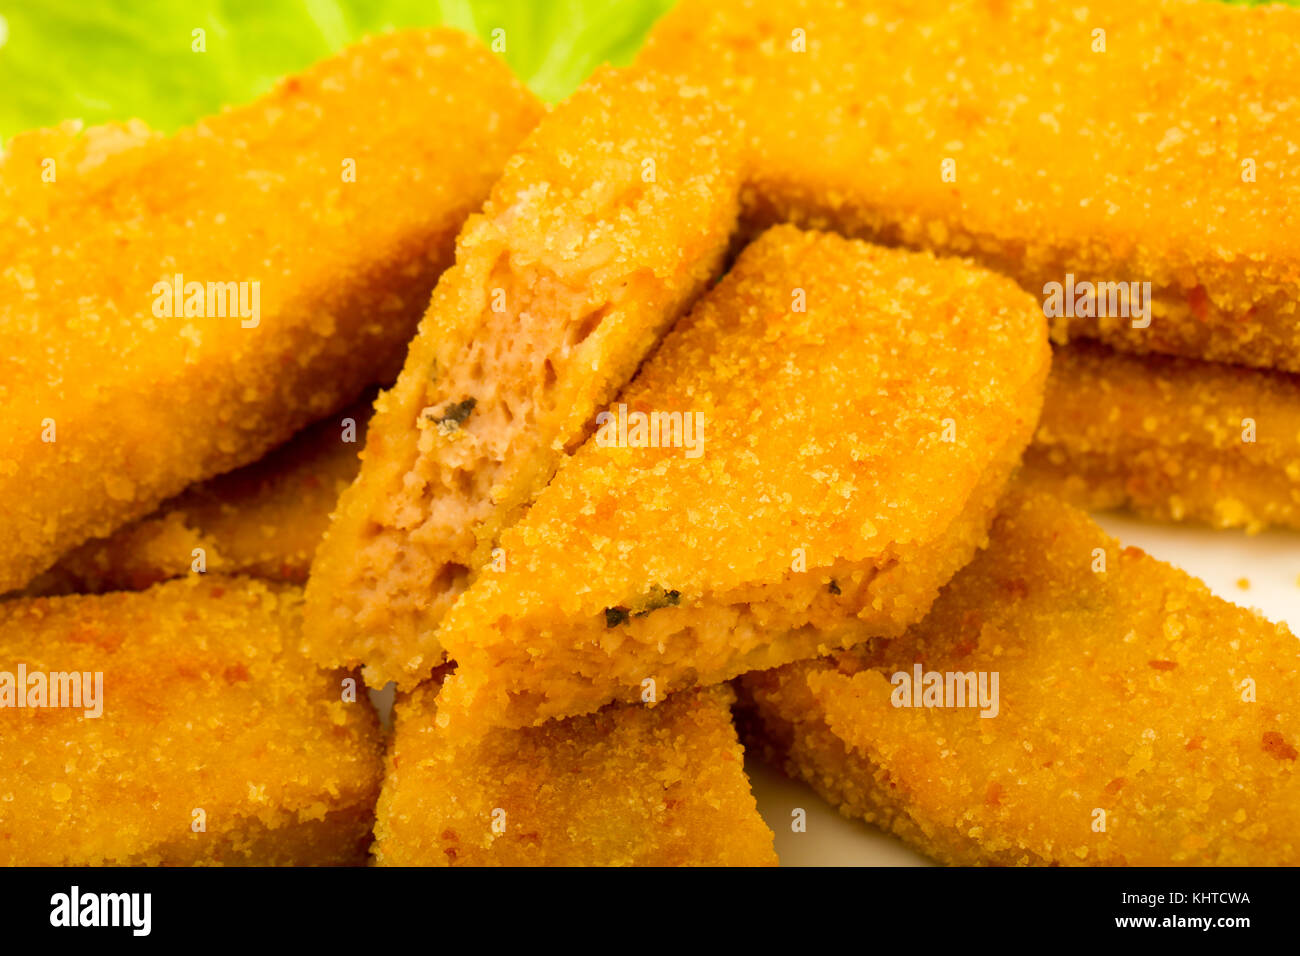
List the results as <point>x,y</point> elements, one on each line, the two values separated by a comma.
<point>1137,718</point>
<point>614,214</point>
<point>1112,141</point>
<point>264,520</point>
<point>1172,438</point>
<point>216,740</point>
<point>327,209</point>
<point>629,786</point>
<point>854,414</point>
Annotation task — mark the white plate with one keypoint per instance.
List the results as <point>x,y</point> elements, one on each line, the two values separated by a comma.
<point>1270,562</point>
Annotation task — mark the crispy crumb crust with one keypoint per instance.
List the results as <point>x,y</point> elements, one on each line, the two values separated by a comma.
<point>144,406</point>
<point>264,520</point>
<point>1166,438</point>
<point>612,217</point>
<point>208,704</point>
<point>631,785</point>
<point>826,430</point>
<point>1119,691</point>
<point>1118,165</point>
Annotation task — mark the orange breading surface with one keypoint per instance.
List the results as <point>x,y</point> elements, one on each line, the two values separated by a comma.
<point>607,223</point>
<point>630,785</point>
<point>1129,691</point>
<point>107,407</point>
<point>264,520</point>
<point>1169,157</point>
<point>1172,438</point>
<point>861,411</point>
<point>208,704</point>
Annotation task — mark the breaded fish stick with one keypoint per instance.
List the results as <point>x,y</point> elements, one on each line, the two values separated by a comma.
<point>1112,142</point>
<point>1172,438</point>
<point>629,786</point>
<point>207,738</point>
<point>173,307</point>
<point>853,412</point>
<point>608,222</point>
<point>264,520</point>
<point>1137,719</point>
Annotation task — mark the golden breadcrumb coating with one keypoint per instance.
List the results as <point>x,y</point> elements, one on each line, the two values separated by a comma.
<point>1166,157</point>
<point>208,705</point>
<point>264,520</point>
<point>861,410</point>
<point>1140,720</point>
<point>108,406</point>
<point>628,786</point>
<point>607,223</point>
<point>1171,438</point>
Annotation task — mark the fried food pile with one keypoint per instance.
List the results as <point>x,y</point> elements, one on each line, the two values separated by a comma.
<point>748,400</point>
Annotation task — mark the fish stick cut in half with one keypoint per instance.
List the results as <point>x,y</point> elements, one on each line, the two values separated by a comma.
<point>1099,143</point>
<point>1066,702</point>
<point>614,214</point>
<point>804,462</point>
<point>628,786</point>
<point>173,307</point>
<point>179,725</point>
<point>1172,438</point>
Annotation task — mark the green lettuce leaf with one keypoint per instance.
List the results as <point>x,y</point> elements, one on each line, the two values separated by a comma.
<point>118,59</point>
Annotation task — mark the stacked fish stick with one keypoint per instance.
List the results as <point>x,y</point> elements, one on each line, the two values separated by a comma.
<point>1094,157</point>
<point>172,309</point>
<point>1091,155</point>
<point>748,398</point>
